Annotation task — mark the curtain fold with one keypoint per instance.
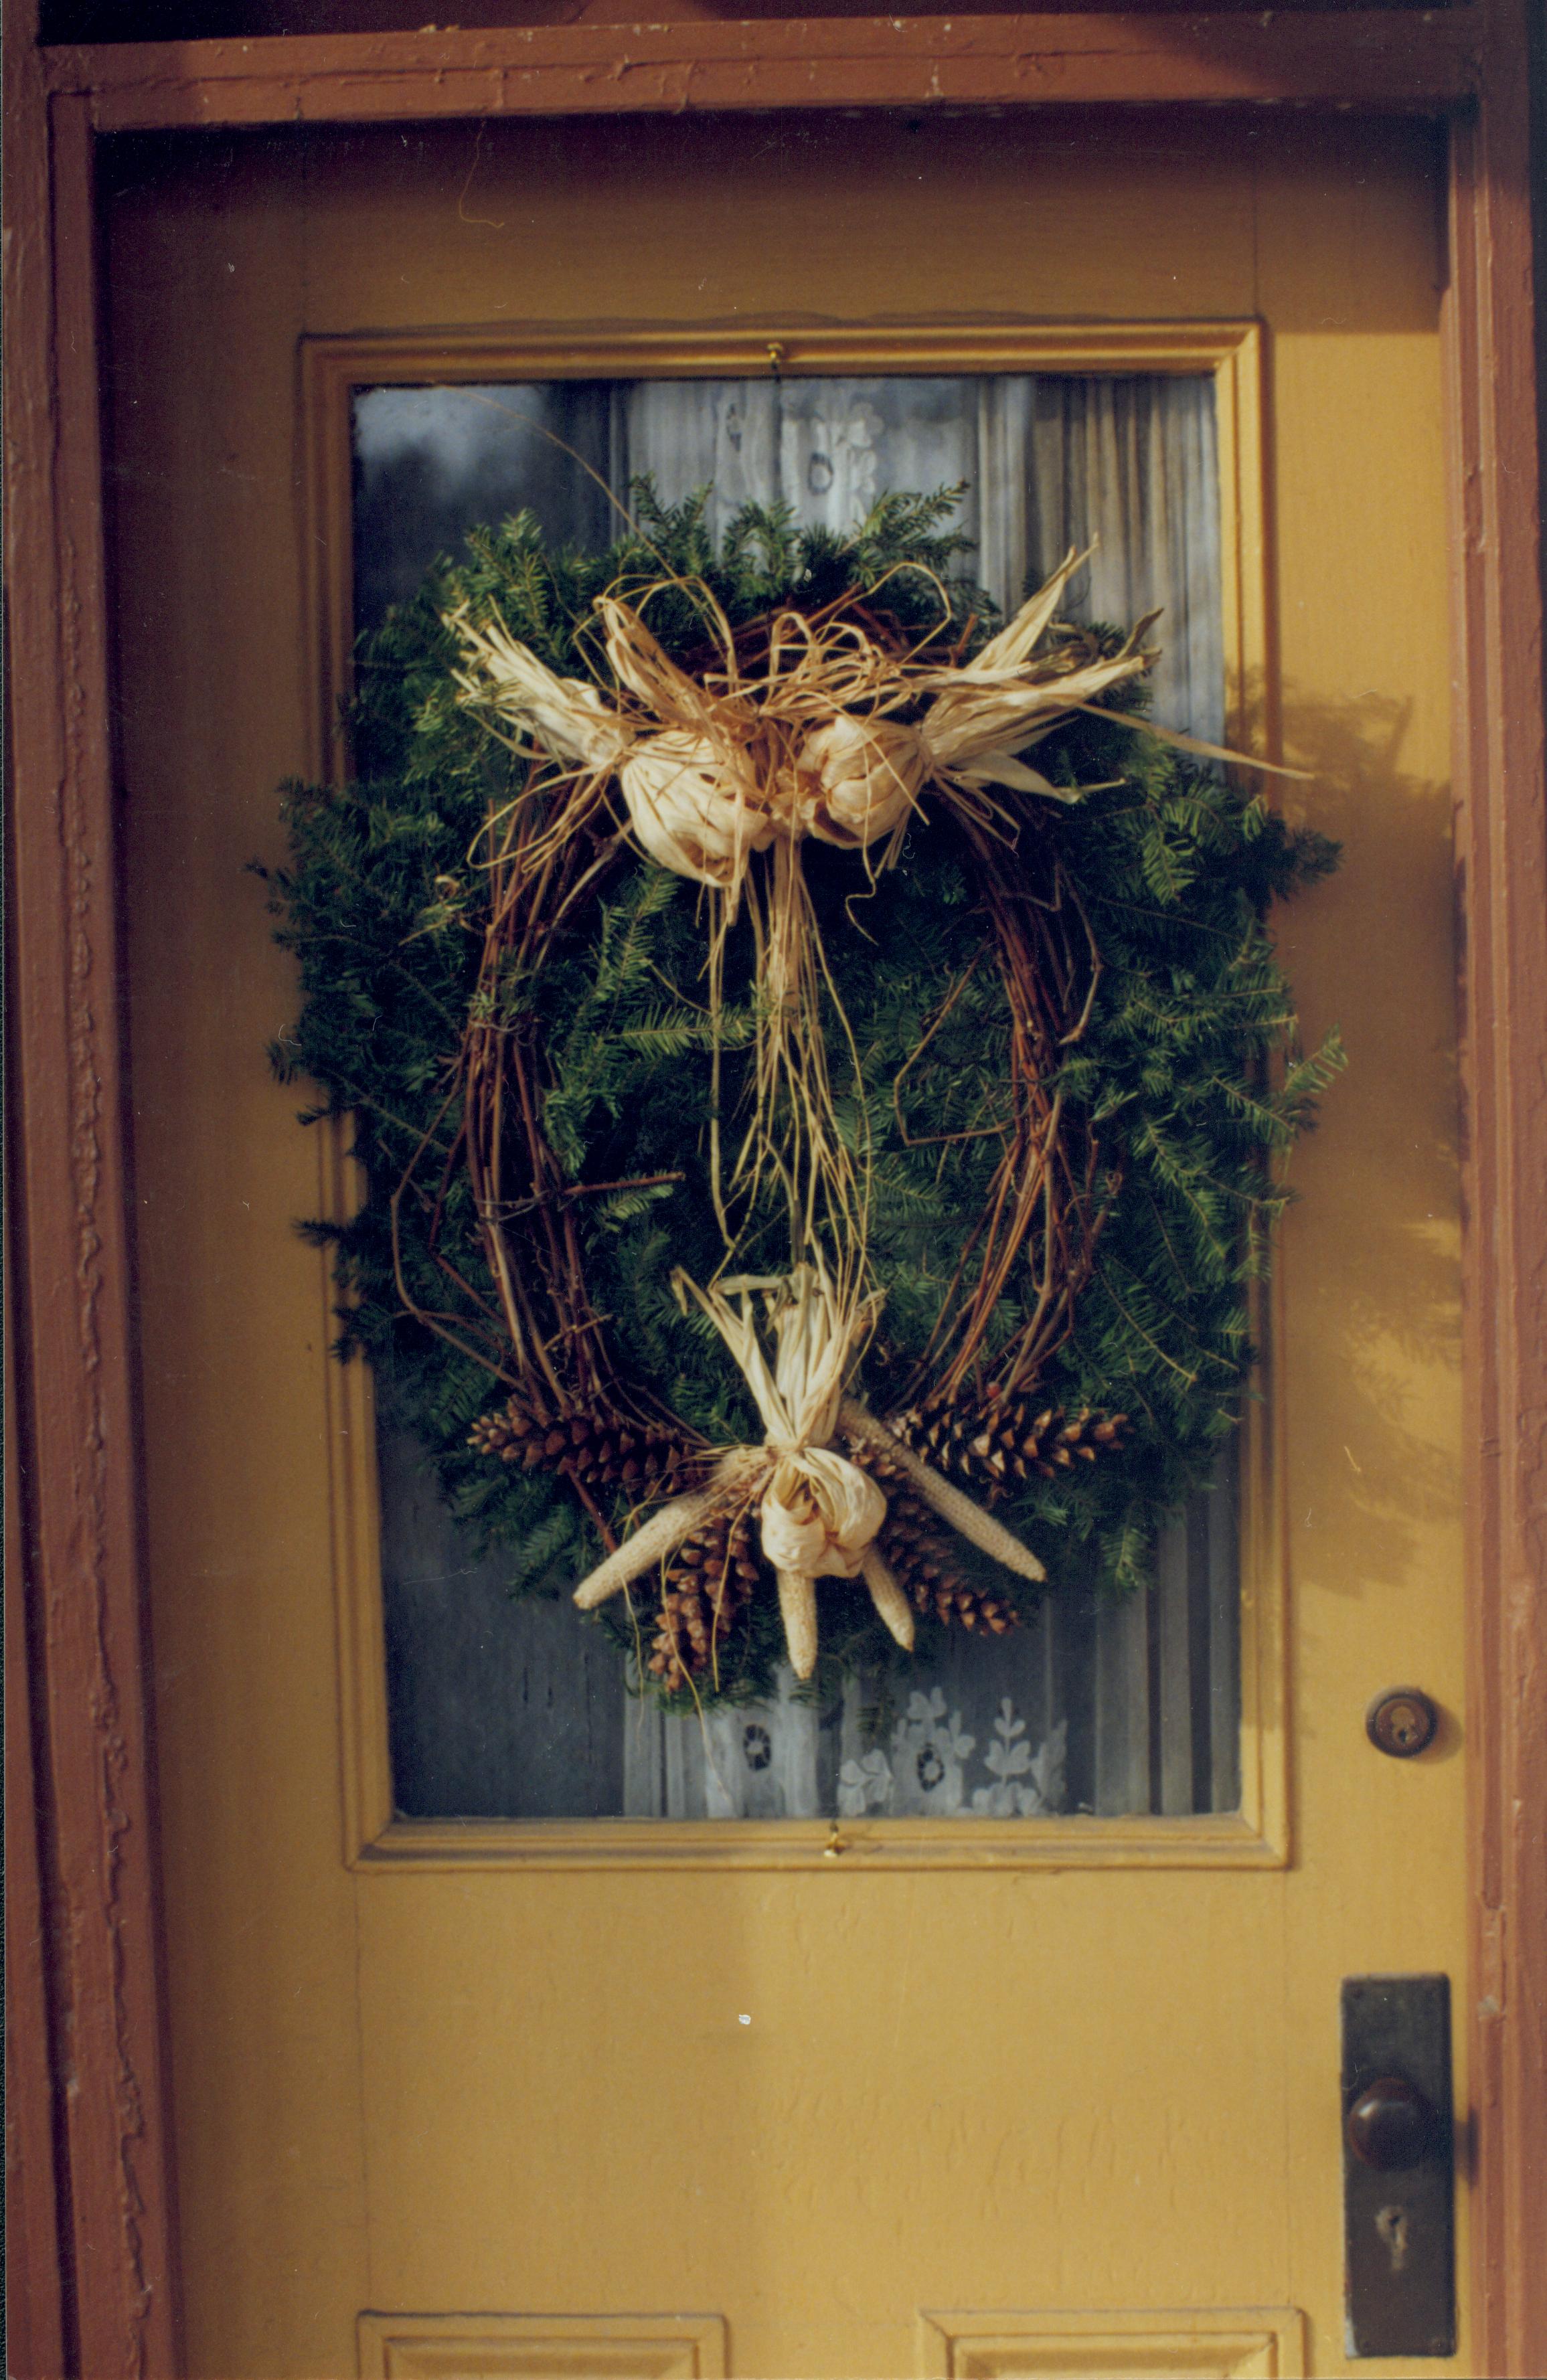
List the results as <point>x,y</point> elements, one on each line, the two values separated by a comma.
<point>1127,468</point>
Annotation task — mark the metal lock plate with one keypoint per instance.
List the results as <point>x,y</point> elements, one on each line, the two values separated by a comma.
<point>1398,2194</point>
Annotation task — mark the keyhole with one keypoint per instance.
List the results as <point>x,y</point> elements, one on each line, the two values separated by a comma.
<point>1392,2224</point>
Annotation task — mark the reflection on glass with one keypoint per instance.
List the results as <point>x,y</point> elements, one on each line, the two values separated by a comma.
<point>517,1710</point>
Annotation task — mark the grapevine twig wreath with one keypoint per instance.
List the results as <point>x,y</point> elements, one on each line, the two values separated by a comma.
<point>807,1137</point>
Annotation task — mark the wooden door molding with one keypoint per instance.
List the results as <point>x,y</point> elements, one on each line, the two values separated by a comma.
<point>1398,58</point>
<point>1249,2343</point>
<point>541,2346</point>
<point>102,2111</point>
<point>1257,1835</point>
<point>1501,775</point>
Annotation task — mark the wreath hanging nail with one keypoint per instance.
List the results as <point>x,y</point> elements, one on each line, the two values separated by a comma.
<point>821,1076</point>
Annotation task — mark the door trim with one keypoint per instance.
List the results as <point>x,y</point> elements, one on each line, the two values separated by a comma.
<point>1402,58</point>
<point>1232,352</point>
<point>375,1838</point>
<point>1231,2343</point>
<point>67,1215</point>
<point>541,2346</point>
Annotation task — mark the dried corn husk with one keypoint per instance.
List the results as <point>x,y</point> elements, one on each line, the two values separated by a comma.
<point>817,1332</point>
<point>888,1598</point>
<point>820,1513</point>
<point>965,711</point>
<point>1018,638</point>
<point>1005,698</point>
<point>696,805</point>
<point>566,716</point>
<point>854,780</point>
<point>798,1612</point>
<point>993,718</point>
<point>667,1527</point>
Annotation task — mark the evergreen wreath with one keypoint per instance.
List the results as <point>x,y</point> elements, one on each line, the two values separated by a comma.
<point>951,1100</point>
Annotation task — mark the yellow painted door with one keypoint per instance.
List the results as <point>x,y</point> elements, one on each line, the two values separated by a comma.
<point>488,2100</point>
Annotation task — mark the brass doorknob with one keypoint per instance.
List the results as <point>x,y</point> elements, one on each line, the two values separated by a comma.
<point>1390,2125</point>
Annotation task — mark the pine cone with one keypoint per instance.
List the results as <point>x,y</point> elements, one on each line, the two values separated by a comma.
<point>998,1442</point>
<point>921,1558</point>
<point>592,1445</point>
<point>712,1574</point>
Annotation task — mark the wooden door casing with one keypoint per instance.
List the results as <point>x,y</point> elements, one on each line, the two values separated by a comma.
<point>123,2295</point>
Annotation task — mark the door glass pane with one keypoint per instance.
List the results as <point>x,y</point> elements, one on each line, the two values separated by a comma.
<point>518,1709</point>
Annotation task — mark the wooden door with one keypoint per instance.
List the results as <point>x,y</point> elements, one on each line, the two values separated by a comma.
<point>486,2100</point>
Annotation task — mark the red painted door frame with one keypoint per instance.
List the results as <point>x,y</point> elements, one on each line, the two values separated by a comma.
<point>93,2268</point>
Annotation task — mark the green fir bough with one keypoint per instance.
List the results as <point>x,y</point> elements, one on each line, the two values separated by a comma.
<point>1188,1079</point>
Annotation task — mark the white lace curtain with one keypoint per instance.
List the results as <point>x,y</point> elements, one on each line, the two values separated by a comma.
<point>1125,466</point>
<point>500,1708</point>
